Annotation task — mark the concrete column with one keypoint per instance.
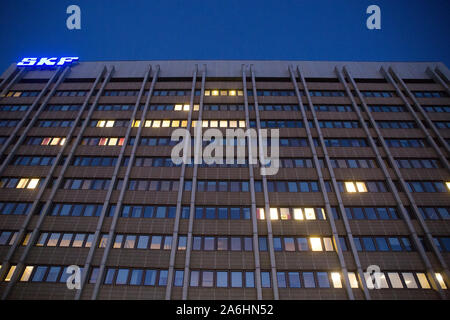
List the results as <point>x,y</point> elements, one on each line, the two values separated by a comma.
<point>323,189</point>
<point>197,150</point>
<point>252,191</point>
<point>11,79</point>
<point>176,225</point>
<point>416,118</point>
<point>266,193</point>
<point>42,188</point>
<point>20,125</point>
<point>391,184</point>
<point>112,185</point>
<point>439,77</point>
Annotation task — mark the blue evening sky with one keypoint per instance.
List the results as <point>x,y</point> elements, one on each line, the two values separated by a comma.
<point>414,30</point>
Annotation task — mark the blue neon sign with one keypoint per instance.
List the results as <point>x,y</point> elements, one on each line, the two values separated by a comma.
<point>46,62</point>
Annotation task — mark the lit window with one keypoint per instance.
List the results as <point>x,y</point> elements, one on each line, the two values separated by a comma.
<point>33,183</point>
<point>121,140</point>
<point>409,280</point>
<point>178,107</point>
<point>102,141</point>
<point>448,185</point>
<point>223,92</point>
<point>148,123</point>
<point>63,141</point>
<point>383,282</point>
<point>441,281</point>
<point>166,123</point>
<point>310,214</point>
<point>323,214</point>
<point>361,186</point>
<point>395,280</point>
<point>240,93</point>
<point>232,93</point>
<point>273,214</point>
<point>298,214</point>
<point>10,273</point>
<point>186,107</point>
<point>112,142</point>
<point>223,123</point>
<point>184,123</point>
<point>27,273</point>
<point>328,243</point>
<point>156,123</point>
<point>136,123</point>
<point>26,239</point>
<point>207,93</point>
<point>194,123</point>
<point>284,214</point>
<point>175,123</point>
<point>213,124</point>
<point>350,187</point>
<point>22,183</point>
<point>353,280</point>
<point>205,124</point>
<point>55,141</point>
<point>109,124</point>
<point>233,124</point>
<point>316,244</point>
<point>196,107</point>
<point>45,141</point>
<point>241,123</point>
<point>336,278</point>
<point>215,92</point>
<point>423,281</point>
<point>100,124</point>
<point>260,213</point>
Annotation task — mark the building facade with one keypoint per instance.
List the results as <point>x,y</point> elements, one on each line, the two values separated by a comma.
<point>359,208</point>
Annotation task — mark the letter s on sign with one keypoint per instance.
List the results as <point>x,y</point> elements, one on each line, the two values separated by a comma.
<point>27,62</point>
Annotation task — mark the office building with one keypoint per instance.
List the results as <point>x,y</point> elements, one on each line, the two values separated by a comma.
<point>359,208</point>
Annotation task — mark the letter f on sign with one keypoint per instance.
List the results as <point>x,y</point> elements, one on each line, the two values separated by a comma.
<point>65,60</point>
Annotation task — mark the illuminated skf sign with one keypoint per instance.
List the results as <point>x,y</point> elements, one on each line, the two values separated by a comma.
<point>49,62</point>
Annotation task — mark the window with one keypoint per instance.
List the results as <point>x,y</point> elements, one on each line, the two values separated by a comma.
<point>423,280</point>
<point>102,141</point>
<point>345,142</point>
<point>441,281</point>
<point>322,279</point>
<point>26,273</point>
<point>426,186</point>
<point>265,279</point>
<point>294,280</point>
<point>410,282</point>
<point>333,108</point>
<point>352,187</point>
<point>406,143</point>
<point>353,280</point>
<point>178,281</point>
<point>336,278</point>
<point>316,244</point>
<point>136,277</point>
<point>19,183</point>
<point>394,278</point>
<point>308,279</point>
